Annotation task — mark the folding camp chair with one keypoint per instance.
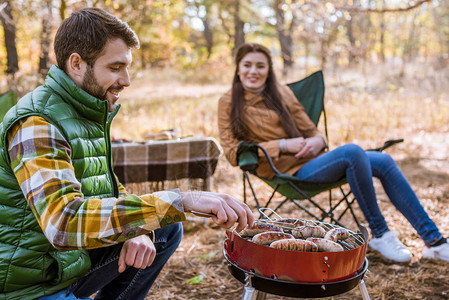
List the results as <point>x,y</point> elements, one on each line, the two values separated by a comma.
<point>7,100</point>
<point>310,92</point>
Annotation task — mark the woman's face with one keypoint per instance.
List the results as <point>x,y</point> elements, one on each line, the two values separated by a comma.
<point>253,70</point>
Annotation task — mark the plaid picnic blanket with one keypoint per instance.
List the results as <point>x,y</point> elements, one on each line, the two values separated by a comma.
<point>165,160</point>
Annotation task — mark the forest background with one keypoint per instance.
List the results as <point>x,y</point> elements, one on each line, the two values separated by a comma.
<point>192,35</point>
<point>385,67</point>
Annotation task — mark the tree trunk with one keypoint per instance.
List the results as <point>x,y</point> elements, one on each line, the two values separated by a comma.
<point>306,54</point>
<point>47,18</point>
<point>223,17</point>
<point>352,46</point>
<point>208,35</point>
<point>409,47</point>
<point>323,53</point>
<point>9,29</point>
<point>351,24</point>
<point>442,23</point>
<point>285,40</point>
<point>382,38</point>
<point>239,34</point>
<point>62,9</point>
<point>142,50</point>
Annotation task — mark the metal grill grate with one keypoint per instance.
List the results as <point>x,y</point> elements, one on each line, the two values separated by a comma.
<point>355,239</point>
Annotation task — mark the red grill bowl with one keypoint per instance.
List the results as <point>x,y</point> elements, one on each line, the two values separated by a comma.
<point>307,267</point>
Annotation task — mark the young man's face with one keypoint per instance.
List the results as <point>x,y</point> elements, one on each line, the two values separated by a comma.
<point>109,74</point>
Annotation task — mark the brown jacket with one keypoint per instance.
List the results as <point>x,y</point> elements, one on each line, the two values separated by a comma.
<point>264,128</point>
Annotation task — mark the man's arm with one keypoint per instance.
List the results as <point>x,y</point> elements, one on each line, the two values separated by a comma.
<point>40,159</point>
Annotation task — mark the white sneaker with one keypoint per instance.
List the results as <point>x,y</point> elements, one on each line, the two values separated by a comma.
<point>391,247</point>
<point>439,252</point>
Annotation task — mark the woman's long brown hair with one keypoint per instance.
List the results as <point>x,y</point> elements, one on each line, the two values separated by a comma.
<point>271,94</point>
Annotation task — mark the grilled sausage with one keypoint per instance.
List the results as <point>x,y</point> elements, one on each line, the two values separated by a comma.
<point>326,245</point>
<point>303,232</point>
<point>295,245</point>
<point>337,234</point>
<point>289,222</point>
<point>260,227</point>
<point>266,238</point>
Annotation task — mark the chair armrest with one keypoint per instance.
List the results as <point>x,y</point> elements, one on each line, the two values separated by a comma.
<point>387,144</point>
<point>248,157</point>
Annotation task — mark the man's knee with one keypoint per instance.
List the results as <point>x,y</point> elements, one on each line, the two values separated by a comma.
<point>170,235</point>
<point>177,232</point>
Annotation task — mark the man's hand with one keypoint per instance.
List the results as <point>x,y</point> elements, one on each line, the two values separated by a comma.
<point>138,252</point>
<point>226,209</point>
<point>311,147</point>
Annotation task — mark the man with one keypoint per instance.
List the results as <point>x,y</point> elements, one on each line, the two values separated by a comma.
<point>68,228</point>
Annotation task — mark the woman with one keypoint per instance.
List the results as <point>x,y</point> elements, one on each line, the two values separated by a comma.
<point>259,109</point>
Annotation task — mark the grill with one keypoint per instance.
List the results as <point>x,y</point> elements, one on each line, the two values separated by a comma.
<point>355,239</point>
<point>297,274</point>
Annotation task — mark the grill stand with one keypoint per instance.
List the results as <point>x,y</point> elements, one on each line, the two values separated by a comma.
<point>265,285</point>
<point>248,290</point>
<point>363,290</point>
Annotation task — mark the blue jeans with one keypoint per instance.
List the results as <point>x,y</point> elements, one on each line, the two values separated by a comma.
<point>133,283</point>
<point>359,166</point>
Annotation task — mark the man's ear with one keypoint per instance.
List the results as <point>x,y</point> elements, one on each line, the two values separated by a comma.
<point>76,67</point>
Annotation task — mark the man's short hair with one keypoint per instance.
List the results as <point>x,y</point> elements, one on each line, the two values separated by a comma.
<point>86,32</point>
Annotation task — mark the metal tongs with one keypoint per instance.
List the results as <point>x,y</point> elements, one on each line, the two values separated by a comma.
<point>208,215</point>
<point>202,214</point>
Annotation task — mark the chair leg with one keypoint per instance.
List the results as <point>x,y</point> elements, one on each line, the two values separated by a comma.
<point>348,206</point>
<point>271,198</point>
<point>325,214</point>
<point>279,206</point>
<point>244,188</point>
<point>342,200</point>
<point>246,177</point>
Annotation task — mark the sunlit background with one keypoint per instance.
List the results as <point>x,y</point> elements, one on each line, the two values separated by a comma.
<point>385,68</point>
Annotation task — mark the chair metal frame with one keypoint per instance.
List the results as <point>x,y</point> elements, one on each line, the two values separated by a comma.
<point>324,214</point>
<point>280,180</point>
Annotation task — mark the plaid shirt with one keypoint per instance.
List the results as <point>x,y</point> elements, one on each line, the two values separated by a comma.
<point>40,159</point>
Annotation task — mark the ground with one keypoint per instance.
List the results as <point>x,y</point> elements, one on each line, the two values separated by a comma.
<point>365,111</point>
<point>200,253</point>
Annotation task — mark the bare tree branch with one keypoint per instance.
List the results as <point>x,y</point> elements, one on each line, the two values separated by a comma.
<point>381,11</point>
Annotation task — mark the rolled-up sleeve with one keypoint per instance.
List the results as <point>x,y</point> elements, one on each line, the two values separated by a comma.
<point>40,159</point>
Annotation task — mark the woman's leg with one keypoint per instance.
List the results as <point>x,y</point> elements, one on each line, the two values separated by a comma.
<point>132,283</point>
<point>349,161</point>
<point>402,195</point>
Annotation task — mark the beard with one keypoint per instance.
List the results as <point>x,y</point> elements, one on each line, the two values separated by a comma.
<point>91,86</point>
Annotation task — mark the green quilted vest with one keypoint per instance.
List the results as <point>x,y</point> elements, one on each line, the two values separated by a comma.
<point>30,266</point>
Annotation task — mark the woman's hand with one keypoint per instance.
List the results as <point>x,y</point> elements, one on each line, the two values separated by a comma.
<point>226,209</point>
<point>311,147</point>
<point>293,145</point>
